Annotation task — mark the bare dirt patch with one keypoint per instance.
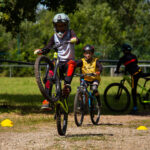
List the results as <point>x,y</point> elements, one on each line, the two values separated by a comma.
<point>113,133</point>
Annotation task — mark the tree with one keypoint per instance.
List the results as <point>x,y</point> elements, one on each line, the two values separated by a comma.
<point>68,6</point>
<point>13,12</point>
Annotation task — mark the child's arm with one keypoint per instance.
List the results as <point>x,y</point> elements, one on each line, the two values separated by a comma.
<point>99,67</point>
<point>79,63</point>
<point>118,65</point>
<point>74,38</point>
<point>46,49</point>
<point>135,59</point>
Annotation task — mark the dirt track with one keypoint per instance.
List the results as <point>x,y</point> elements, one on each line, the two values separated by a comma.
<point>113,133</point>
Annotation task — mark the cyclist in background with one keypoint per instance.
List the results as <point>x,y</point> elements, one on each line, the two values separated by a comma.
<point>131,65</point>
<point>66,53</point>
<point>89,64</point>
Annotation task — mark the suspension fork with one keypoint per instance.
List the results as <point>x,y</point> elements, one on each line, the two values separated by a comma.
<point>54,78</point>
<point>63,105</point>
<point>55,68</point>
<point>119,92</point>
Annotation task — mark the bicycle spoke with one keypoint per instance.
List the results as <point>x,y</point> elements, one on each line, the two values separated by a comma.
<point>78,108</point>
<point>116,97</point>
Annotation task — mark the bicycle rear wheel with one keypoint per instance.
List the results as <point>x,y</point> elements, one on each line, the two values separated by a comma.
<point>61,119</point>
<point>79,108</point>
<point>41,69</point>
<point>95,111</point>
<point>117,97</point>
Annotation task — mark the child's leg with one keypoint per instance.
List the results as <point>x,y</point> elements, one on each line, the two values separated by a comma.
<point>134,87</point>
<point>134,91</point>
<point>45,103</point>
<point>47,84</point>
<point>95,91</point>
<point>70,68</point>
<point>135,79</point>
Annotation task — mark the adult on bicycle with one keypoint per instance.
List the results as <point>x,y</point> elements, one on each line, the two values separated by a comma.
<point>66,53</point>
<point>131,65</point>
<point>89,64</point>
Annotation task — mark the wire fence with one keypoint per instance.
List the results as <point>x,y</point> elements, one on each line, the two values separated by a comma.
<point>108,70</point>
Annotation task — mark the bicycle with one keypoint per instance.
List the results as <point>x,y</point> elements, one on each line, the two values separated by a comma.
<point>117,97</point>
<point>42,66</point>
<point>82,98</point>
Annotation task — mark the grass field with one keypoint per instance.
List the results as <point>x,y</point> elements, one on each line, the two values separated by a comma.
<point>21,95</point>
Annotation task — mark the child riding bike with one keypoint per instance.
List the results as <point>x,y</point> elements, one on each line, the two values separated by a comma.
<point>130,62</point>
<point>89,64</point>
<point>66,53</point>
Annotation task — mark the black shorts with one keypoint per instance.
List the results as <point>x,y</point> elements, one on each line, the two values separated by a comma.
<point>93,84</point>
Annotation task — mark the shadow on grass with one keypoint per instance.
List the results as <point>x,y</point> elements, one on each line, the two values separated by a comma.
<point>24,104</point>
<point>87,135</point>
<point>105,124</point>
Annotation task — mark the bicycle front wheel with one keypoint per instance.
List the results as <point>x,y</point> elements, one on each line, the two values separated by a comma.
<point>95,111</point>
<point>117,97</point>
<point>61,119</point>
<point>79,108</point>
<point>41,69</point>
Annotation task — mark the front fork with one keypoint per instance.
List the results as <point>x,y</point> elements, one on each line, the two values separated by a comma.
<point>120,89</point>
<point>63,104</point>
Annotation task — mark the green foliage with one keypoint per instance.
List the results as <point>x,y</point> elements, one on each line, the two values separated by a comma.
<point>68,6</point>
<point>14,12</point>
<point>104,24</point>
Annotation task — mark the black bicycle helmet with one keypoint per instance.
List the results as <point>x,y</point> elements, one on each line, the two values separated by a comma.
<point>89,48</point>
<point>126,47</point>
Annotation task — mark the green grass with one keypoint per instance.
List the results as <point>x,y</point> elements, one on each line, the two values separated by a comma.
<point>21,94</point>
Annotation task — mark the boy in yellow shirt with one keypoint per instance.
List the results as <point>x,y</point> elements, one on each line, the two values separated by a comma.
<point>89,64</point>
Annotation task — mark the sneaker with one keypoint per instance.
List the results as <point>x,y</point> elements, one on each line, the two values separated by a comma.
<point>66,90</point>
<point>45,105</point>
<point>134,112</point>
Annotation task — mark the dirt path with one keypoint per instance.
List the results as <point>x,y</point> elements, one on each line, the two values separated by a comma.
<point>113,133</point>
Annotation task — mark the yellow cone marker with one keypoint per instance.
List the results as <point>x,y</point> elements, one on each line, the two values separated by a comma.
<point>142,128</point>
<point>6,123</point>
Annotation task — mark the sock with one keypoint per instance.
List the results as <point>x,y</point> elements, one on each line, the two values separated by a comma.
<point>135,108</point>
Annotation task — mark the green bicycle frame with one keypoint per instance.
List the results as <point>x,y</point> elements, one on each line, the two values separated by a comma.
<point>63,105</point>
<point>128,79</point>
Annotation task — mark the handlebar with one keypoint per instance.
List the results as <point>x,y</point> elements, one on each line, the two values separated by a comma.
<point>56,46</point>
<point>119,72</point>
<point>82,75</point>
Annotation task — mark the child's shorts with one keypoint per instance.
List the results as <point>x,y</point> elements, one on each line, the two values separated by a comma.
<point>93,84</point>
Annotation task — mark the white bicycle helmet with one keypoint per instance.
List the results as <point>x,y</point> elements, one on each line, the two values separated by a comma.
<point>63,18</point>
